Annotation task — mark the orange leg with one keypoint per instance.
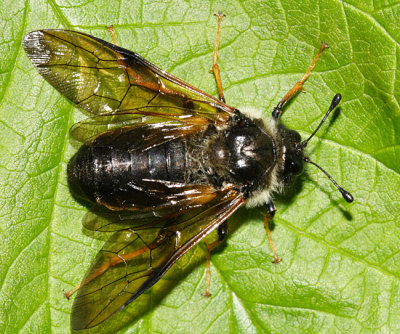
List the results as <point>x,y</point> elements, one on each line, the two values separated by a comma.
<point>267,218</point>
<point>271,242</point>
<point>215,67</point>
<point>222,232</point>
<point>113,34</point>
<point>299,85</point>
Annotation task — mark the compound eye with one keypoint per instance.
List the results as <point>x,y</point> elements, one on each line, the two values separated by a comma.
<point>293,166</point>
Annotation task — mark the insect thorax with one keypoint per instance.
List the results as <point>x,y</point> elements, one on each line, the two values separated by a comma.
<point>243,154</point>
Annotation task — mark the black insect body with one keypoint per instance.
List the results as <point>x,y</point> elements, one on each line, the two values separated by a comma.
<point>168,161</point>
<point>111,172</point>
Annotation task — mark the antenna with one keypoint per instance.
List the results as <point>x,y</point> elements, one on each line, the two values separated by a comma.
<point>335,101</point>
<point>346,195</point>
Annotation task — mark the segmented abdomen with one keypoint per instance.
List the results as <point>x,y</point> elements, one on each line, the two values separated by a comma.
<point>119,179</point>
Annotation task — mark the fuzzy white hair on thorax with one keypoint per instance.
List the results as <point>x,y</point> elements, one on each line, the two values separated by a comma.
<point>265,195</point>
<point>256,113</point>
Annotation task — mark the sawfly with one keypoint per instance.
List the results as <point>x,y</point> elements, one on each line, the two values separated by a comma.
<point>166,162</point>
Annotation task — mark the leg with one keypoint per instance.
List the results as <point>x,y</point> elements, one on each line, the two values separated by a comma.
<point>215,58</point>
<point>113,34</point>
<point>222,233</point>
<point>299,85</point>
<point>267,218</point>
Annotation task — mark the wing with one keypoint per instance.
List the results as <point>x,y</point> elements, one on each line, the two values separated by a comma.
<point>101,77</point>
<point>138,126</point>
<point>100,219</point>
<point>133,260</point>
<point>167,200</point>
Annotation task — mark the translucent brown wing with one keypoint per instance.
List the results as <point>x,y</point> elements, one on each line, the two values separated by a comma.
<point>134,259</point>
<point>159,201</point>
<point>100,219</point>
<point>101,77</point>
<point>140,122</point>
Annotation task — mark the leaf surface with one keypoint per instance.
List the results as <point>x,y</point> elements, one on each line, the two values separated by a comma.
<point>341,264</point>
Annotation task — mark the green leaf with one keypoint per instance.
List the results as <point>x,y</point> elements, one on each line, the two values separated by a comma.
<point>341,264</point>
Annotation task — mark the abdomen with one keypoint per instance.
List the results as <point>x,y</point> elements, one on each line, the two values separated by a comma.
<point>116,178</point>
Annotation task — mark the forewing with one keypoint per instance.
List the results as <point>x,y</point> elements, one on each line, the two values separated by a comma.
<point>134,259</point>
<point>100,219</point>
<point>167,200</point>
<point>101,77</point>
<point>143,128</point>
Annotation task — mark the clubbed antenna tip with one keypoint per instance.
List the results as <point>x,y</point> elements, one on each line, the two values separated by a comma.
<point>335,101</point>
<point>346,195</point>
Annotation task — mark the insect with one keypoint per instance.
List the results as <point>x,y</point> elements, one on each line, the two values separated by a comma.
<point>165,163</point>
